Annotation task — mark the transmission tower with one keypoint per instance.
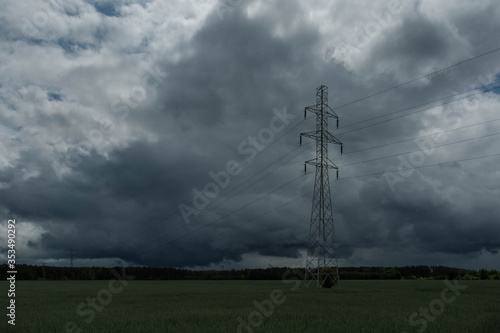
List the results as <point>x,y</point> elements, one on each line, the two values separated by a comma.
<point>71,257</point>
<point>321,247</point>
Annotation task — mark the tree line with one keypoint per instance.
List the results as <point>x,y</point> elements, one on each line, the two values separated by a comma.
<point>33,272</point>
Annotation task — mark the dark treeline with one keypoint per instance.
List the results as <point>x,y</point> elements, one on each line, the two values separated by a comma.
<point>30,272</point>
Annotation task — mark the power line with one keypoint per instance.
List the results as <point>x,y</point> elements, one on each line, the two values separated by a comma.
<point>423,166</point>
<point>176,212</point>
<point>411,113</point>
<point>262,196</point>
<point>273,163</point>
<point>419,150</point>
<point>364,98</point>
<point>206,211</point>
<point>340,179</point>
<point>496,86</point>
<point>261,171</point>
<point>417,137</point>
<point>225,216</point>
<point>286,184</point>
<point>267,174</point>
<point>158,236</point>
<point>416,79</point>
<point>226,194</point>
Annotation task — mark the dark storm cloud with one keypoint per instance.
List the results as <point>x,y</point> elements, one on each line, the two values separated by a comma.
<point>221,88</point>
<point>235,67</point>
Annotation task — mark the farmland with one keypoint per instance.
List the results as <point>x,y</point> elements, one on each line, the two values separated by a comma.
<point>253,306</point>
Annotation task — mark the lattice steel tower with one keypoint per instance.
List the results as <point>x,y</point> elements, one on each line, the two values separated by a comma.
<point>71,252</point>
<point>321,249</point>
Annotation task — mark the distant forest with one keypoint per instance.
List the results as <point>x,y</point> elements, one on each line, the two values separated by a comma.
<point>30,272</point>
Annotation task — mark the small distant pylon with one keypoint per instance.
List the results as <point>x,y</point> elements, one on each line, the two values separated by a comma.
<point>321,262</point>
<point>71,257</point>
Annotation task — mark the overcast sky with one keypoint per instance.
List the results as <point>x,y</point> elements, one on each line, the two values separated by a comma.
<point>116,116</point>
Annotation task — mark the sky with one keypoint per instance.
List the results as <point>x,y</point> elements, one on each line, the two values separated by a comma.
<point>166,133</point>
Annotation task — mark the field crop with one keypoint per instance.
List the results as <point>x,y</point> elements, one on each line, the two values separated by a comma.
<point>252,306</point>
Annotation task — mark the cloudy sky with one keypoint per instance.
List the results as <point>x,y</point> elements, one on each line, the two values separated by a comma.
<point>166,133</point>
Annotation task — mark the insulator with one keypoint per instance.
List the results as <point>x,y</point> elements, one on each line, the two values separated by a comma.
<point>341,149</point>
<point>337,174</point>
<point>337,123</point>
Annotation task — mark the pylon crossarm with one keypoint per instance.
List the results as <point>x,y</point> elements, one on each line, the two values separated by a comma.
<point>310,162</point>
<point>328,137</point>
<point>332,165</point>
<point>326,165</point>
<point>312,109</point>
<point>332,139</point>
<point>329,164</point>
<point>331,113</point>
<point>310,135</point>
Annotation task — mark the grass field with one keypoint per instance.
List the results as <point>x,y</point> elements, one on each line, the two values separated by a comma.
<point>215,306</point>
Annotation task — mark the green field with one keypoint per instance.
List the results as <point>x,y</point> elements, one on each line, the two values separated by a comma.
<point>215,306</point>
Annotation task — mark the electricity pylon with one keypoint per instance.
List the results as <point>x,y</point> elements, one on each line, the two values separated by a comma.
<point>321,247</point>
<point>71,257</point>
